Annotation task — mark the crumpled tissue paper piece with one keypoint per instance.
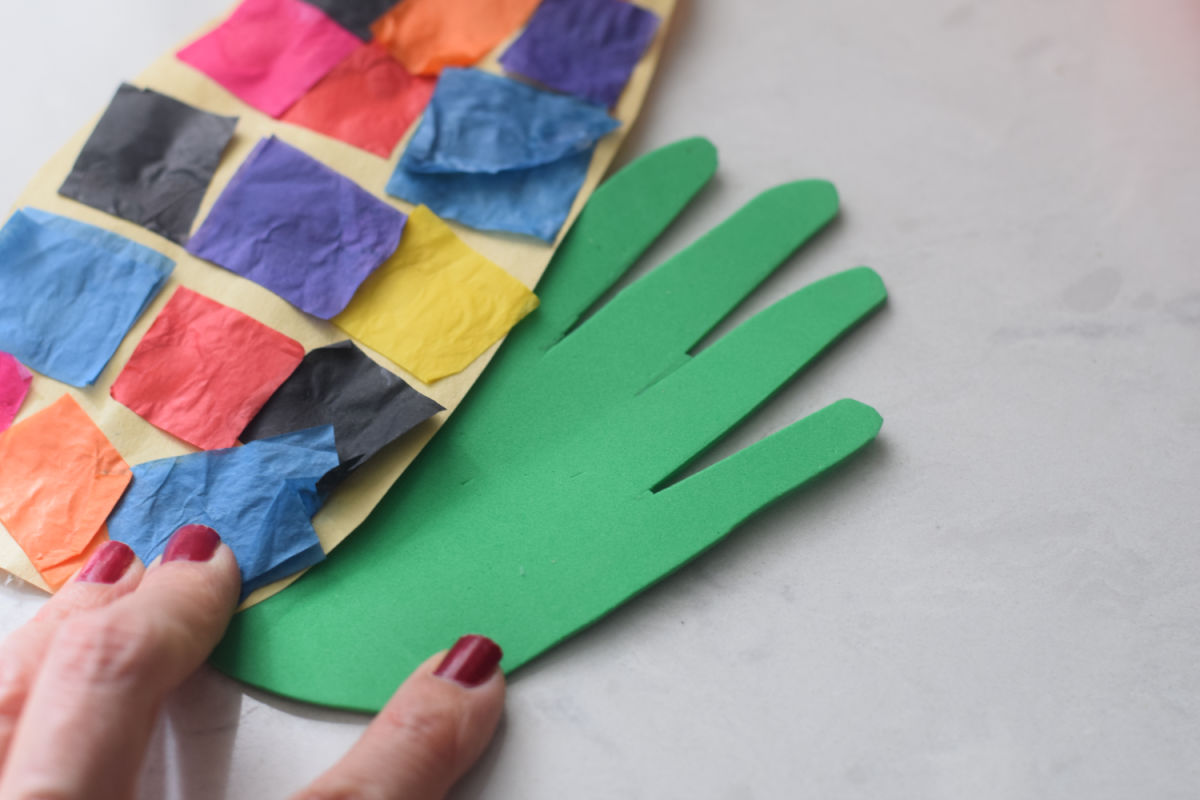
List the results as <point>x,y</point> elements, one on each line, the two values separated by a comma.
<point>203,370</point>
<point>260,498</point>
<point>587,48</point>
<point>59,479</point>
<point>150,160</point>
<point>14,386</point>
<point>293,225</point>
<point>487,123</point>
<point>355,16</point>
<point>339,385</point>
<point>369,101</point>
<point>429,35</point>
<point>97,237</point>
<point>497,154</point>
<point>69,293</point>
<point>268,53</point>
<point>436,305</point>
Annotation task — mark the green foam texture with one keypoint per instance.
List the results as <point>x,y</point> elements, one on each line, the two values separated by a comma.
<point>547,500</point>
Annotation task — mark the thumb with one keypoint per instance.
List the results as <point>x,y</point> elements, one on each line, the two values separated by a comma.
<point>432,730</point>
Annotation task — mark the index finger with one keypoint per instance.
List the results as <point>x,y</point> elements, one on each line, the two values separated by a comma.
<point>107,671</point>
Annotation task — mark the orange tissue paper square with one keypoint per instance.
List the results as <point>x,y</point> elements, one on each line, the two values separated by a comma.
<point>60,478</point>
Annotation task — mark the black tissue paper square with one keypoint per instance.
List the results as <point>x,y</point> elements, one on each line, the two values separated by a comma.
<point>339,385</point>
<point>355,16</point>
<point>150,161</point>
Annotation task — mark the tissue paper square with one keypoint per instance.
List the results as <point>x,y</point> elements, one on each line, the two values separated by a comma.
<point>436,305</point>
<point>260,498</point>
<point>428,35</point>
<point>587,48</point>
<point>339,385</point>
<point>203,370</point>
<point>14,386</point>
<point>150,160</point>
<point>355,16</point>
<point>59,479</point>
<point>268,53</point>
<point>70,292</point>
<point>496,154</point>
<point>293,225</point>
<point>369,101</point>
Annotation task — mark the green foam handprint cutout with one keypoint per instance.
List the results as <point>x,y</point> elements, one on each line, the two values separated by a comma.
<point>534,512</point>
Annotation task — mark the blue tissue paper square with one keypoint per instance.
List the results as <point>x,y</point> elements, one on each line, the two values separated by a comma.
<point>496,154</point>
<point>260,498</point>
<point>69,292</point>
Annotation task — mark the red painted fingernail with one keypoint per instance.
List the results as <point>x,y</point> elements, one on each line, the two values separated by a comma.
<point>107,564</point>
<point>471,661</point>
<point>192,543</point>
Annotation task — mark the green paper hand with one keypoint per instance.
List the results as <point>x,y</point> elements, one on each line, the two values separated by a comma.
<point>534,512</point>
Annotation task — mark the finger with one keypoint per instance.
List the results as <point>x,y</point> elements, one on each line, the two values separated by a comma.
<point>692,408</point>
<point>112,572</point>
<point>433,729</point>
<point>621,220</point>
<point>713,502</point>
<point>649,327</point>
<point>106,672</point>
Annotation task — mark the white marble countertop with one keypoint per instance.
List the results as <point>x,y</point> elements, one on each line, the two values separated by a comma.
<point>1001,598</point>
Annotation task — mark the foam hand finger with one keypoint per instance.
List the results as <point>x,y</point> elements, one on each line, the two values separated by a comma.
<point>112,572</point>
<point>431,731</point>
<point>694,406</point>
<point>620,222</point>
<point>714,501</point>
<point>648,328</point>
<point>107,670</point>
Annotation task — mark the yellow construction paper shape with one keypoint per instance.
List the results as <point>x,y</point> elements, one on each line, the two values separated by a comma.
<point>60,478</point>
<point>436,305</point>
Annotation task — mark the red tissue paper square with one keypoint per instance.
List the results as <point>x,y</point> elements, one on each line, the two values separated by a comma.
<point>204,370</point>
<point>368,101</point>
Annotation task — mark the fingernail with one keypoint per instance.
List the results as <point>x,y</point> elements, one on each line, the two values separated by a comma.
<point>471,661</point>
<point>107,564</point>
<point>192,543</point>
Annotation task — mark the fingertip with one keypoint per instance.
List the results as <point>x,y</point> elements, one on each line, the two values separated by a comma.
<point>192,543</point>
<point>465,683</point>
<point>470,673</point>
<point>434,728</point>
<point>199,544</point>
<point>197,551</point>
<point>111,562</point>
<point>111,572</point>
<point>472,661</point>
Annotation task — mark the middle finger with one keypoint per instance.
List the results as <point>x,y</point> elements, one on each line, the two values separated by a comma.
<point>112,572</point>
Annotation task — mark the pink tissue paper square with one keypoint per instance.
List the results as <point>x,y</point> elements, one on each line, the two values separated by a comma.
<point>14,385</point>
<point>270,52</point>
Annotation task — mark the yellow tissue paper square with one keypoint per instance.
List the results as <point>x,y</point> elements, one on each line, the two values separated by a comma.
<point>436,305</point>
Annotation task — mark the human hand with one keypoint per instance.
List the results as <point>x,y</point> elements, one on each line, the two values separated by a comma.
<point>550,497</point>
<point>81,684</point>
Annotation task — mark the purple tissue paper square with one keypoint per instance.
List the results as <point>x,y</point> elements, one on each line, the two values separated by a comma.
<point>587,48</point>
<point>289,223</point>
